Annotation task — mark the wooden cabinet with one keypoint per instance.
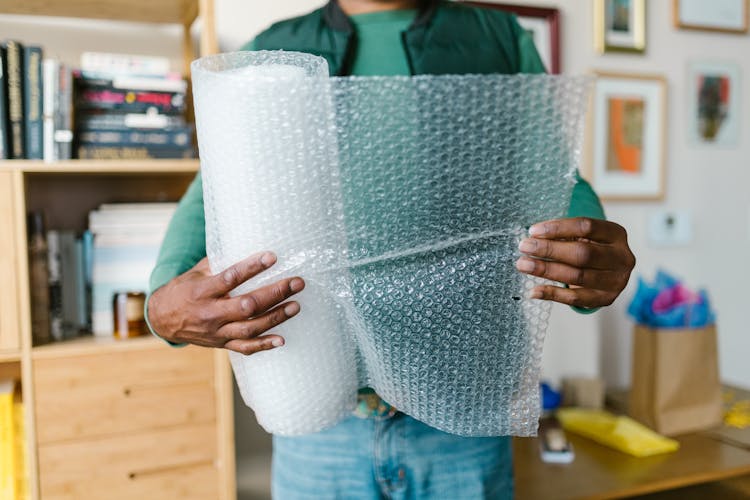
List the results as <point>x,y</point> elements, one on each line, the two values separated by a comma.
<point>108,419</point>
<point>172,462</point>
<point>132,421</point>
<point>95,394</point>
<point>115,418</point>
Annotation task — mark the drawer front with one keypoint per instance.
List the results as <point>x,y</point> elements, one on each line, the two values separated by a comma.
<point>169,463</point>
<point>94,395</point>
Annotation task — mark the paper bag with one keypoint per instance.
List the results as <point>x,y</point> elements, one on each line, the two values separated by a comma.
<point>675,379</point>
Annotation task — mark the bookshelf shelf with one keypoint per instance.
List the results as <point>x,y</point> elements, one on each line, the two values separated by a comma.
<point>102,166</point>
<point>90,344</point>
<point>161,11</point>
<point>9,357</point>
<point>80,377</point>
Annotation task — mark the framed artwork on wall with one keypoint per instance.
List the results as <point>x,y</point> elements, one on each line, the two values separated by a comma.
<point>714,110</point>
<point>542,24</point>
<point>620,25</point>
<point>729,16</point>
<point>627,137</point>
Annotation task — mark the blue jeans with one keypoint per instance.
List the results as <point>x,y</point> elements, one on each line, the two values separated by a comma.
<point>394,458</point>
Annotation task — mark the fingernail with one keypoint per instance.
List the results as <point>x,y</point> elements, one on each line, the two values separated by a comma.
<point>268,259</point>
<point>537,230</point>
<point>245,305</point>
<point>277,342</point>
<point>524,265</point>
<point>291,309</point>
<point>527,245</point>
<point>296,285</point>
<point>535,294</point>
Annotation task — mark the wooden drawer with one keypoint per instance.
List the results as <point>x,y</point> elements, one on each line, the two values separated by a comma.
<point>175,463</point>
<point>103,394</point>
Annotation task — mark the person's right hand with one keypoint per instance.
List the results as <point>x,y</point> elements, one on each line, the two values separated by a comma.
<point>196,308</point>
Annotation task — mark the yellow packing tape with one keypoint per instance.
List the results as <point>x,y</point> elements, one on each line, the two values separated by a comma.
<point>618,432</point>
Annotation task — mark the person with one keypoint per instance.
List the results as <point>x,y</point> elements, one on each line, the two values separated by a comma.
<point>380,452</point>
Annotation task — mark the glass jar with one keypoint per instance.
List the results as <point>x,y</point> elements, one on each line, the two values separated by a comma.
<point>127,308</point>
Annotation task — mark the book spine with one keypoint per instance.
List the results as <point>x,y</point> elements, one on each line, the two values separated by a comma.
<point>38,278</point>
<point>133,153</point>
<point>87,241</point>
<point>124,64</point>
<point>80,280</point>
<point>7,438</point>
<point>130,82</point>
<point>3,109</point>
<point>64,114</point>
<point>55,286</point>
<point>165,138</point>
<point>128,121</point>
<point>32,102</point>
<point>21,458</point>
<point>129,101</point>
<point>50,78</point>
<point>14,88</point>
<point>70,272</point>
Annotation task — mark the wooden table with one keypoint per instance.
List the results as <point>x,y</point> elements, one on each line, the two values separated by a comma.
<point>599,472</point>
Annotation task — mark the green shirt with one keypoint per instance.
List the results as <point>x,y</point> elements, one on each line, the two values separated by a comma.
<point>379,52</point>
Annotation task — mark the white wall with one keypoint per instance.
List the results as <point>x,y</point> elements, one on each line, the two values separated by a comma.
<point>713,184</point>
<point>238,21</point>
<point>67,38</point>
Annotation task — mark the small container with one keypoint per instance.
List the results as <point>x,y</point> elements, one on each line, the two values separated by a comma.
<point>127,308</point>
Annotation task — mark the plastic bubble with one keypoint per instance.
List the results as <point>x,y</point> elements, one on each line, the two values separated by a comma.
<point>401,202</point>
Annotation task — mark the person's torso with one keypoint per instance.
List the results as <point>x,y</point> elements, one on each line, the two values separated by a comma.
<point>450,39</point>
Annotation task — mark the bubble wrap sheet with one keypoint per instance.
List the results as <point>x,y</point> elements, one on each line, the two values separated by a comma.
<point>401,201</point>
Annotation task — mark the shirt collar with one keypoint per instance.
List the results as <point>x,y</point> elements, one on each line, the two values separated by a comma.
<point>339,21</point>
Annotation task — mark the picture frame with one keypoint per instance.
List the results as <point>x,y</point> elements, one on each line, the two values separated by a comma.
<point>542,23</point>
<point>726,16</point>
<point>620,26</point>
<point>714,107</point>
<point>627,137</point>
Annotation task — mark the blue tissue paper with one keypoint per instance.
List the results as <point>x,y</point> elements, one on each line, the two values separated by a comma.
<point>667,303</point>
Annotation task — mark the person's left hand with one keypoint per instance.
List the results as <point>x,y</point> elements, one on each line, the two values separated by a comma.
<point>590,255</point>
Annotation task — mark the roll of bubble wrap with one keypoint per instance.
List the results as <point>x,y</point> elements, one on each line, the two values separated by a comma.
<point>401,201</point>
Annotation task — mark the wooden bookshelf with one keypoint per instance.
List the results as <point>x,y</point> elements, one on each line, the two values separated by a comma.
<point>65,384</point>
<point>145,11</point>
<point>10,356</point>
<point>166,166</point>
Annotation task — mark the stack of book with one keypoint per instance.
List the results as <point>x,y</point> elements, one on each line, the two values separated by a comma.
<point>78,275</point>
<point>114,107</point>
<point>35,105</point>
<point>69,279</point>
<point>126,241</point>
<point>57,95</point>
<point>130,107</point>
<point>60,281</point>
